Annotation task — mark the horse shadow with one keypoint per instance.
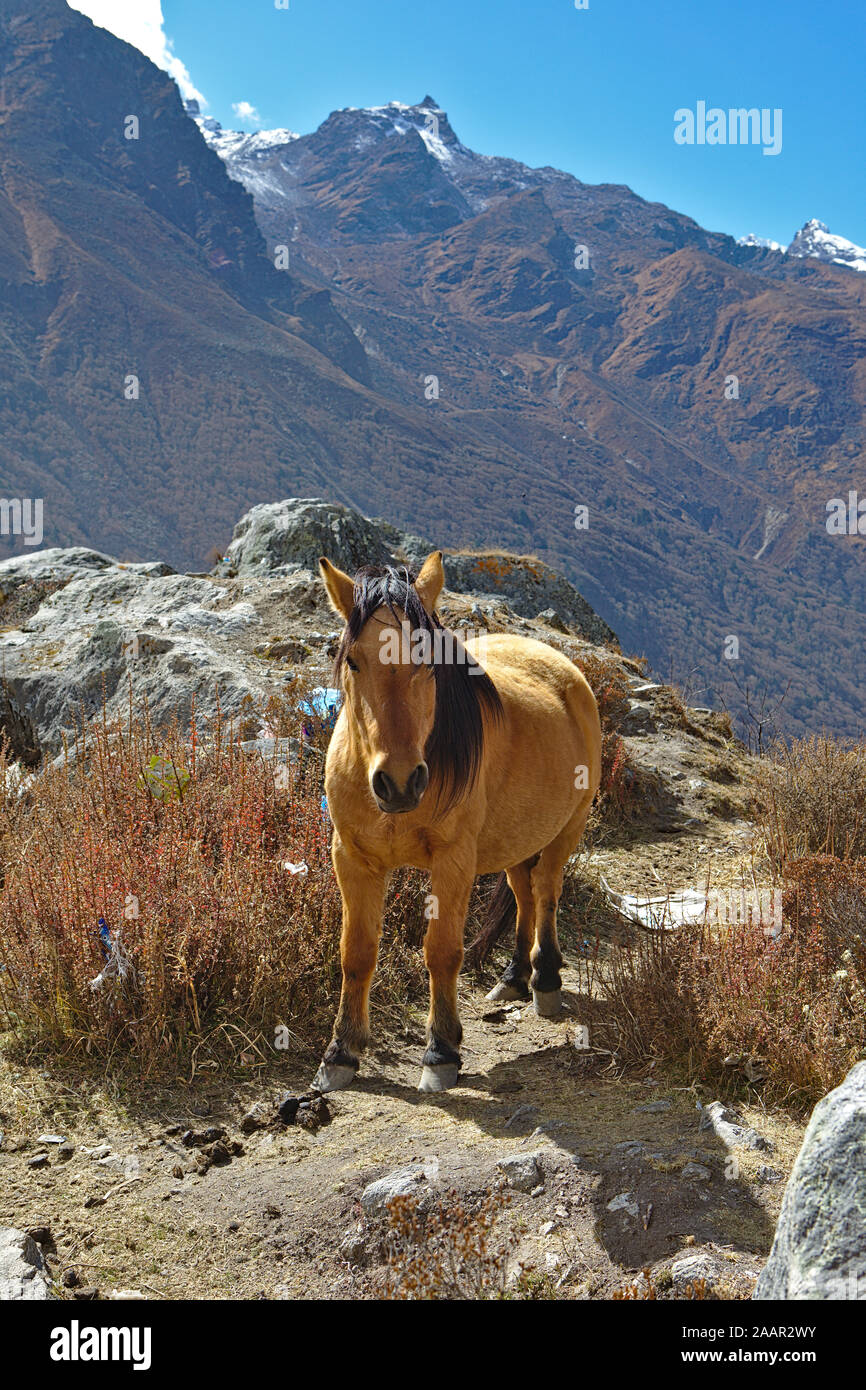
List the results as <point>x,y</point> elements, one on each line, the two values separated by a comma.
<point>649,1183</point>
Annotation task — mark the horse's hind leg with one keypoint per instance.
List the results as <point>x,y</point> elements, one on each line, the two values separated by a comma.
<point>546,981</point>
<point>363,893</point>
<point>515,980</point>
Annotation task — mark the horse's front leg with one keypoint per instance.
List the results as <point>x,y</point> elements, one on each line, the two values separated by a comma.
<point>451,886</point>
<point>363,894</point>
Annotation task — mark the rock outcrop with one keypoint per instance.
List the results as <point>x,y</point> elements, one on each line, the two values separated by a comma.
<point>22,1268</point>
<point>819,1251</point>
<point>79,629</point>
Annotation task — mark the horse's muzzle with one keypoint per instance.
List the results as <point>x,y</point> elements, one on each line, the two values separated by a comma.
<point>388,796</point>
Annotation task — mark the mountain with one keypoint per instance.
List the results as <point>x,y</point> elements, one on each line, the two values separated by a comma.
<point>159,371</point>
<point>816,242</point>
<point>475,349</point>
<point>707,495</point>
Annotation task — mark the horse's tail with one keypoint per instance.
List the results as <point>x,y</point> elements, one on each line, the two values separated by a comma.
<point>500,913</point>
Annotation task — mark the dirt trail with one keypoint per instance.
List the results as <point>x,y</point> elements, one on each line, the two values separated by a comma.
<point>271,1222</point>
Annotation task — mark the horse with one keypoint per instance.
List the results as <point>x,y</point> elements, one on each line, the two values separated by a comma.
<point>457,758</point>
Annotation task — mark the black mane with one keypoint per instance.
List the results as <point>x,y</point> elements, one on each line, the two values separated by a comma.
<point>463,690</point>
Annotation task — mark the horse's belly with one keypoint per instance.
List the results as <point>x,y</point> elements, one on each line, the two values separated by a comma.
<point>533,803</point>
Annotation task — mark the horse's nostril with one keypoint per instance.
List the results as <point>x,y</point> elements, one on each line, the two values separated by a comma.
<point>417,784</point>
<point>382,786</point>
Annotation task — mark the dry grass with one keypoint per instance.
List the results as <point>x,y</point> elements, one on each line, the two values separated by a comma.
<point>701,995</point>
<point>810,798</point>
<point>177,843</point>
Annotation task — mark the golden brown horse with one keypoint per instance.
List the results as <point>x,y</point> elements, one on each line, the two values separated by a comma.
<point>458,759</point>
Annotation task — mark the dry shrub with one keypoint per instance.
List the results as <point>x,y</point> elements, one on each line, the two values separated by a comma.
<point>178,845</point>
<point>445,1250</point>
<point>810,798</point>
<point>609,685</point>
<point>797,1001</point>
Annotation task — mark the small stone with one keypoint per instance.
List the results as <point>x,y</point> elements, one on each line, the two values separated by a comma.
<point>41,1234</point>
<point>39,1160</point>
<point>257,1117</point>
<point>403,1182</point>
<point>69,1279</point>
<point>696,1172</point>
<point>101,1151</point>
<point>523,1172</point>
<point>86,1295</point>
<point>693,1267</point>
<point>653,1107</point>
<point>23,1275</point>
<point>65,1152</point>
<point>625,1201</point>
<point>51,1138</point>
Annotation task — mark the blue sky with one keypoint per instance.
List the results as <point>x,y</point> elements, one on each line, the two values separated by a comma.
<point>592,91</point>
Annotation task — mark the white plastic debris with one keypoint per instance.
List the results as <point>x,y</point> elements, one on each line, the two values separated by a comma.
<point>659,911</point>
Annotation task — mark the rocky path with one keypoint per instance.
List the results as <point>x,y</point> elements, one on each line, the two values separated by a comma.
<point>605,1176</point>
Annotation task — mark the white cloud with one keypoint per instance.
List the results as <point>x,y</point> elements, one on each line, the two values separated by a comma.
<point>140,23</point>
<point>245,111</point>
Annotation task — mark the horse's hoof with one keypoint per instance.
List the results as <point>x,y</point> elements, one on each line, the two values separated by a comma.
<point>439,1078</point>
<point>547,1005</point>
<point>332,1077</point>
<point>503,992</point>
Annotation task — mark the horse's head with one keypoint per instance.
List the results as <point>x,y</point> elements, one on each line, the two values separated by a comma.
<point>387,671</point>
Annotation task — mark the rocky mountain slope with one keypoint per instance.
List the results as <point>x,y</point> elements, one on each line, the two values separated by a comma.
<point>440,350</point>
<point>701,397</point>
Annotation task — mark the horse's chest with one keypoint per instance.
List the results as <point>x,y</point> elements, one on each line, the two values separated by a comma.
<point>393,845</point>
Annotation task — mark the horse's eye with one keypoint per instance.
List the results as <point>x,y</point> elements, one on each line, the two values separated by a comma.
<point>351,664</point>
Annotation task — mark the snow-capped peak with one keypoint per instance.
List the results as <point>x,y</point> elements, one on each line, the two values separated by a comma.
<point>815,241</point>
<point>231,143</point>
<point>761,241</point>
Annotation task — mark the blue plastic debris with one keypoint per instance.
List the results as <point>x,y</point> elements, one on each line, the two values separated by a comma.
<point>104,937</point>
<point>321,709</point>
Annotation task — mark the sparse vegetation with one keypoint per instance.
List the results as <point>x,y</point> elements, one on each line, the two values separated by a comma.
<point>164,862</point>
<point>447,1250</point>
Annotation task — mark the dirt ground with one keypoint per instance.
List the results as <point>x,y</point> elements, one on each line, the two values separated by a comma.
<point>127,1209</point>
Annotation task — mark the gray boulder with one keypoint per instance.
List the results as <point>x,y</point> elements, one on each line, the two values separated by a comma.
<point>819,1251</point>
<point>300,529</point>
<point>275,536</point>
<point>403,1182</point>
<point>22,1268</point>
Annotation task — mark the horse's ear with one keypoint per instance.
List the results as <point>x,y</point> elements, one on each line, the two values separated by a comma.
<point>340,588</point>
<point>428,585</point>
